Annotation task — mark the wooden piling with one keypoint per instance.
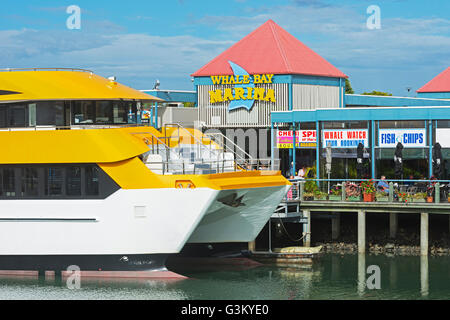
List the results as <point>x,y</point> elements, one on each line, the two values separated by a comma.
<point>361,231</point>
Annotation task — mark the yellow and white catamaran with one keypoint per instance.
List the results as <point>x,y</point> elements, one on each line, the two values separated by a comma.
<point>82,184</point>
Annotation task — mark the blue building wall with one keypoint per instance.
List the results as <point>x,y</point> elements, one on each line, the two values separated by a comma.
<point>355,100</point>
<point>174,95</point>
<point>434,95</point>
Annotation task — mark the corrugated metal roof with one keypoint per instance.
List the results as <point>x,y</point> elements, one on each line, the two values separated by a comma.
<point>270,49</point>
<point>441,83</point>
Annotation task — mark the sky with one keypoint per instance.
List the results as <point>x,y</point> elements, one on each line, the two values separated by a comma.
<point>141,41</point>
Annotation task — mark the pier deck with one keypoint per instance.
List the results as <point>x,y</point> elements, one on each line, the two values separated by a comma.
<point>303,211</point>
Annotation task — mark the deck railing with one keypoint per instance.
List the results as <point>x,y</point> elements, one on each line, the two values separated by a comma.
<point>406,191</point>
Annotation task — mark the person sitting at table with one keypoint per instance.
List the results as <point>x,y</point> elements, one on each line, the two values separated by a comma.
<point>383,185</point>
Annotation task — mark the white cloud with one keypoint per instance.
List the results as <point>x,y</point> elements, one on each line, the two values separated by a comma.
<point>136,59</point>
<point>405,52</point>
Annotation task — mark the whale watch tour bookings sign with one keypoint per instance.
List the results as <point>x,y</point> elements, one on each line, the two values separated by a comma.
<point>345,138</point>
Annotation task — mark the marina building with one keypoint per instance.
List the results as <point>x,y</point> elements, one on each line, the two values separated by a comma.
<point>269,85</point>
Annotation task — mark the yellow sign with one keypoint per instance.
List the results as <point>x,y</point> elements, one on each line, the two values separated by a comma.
<point>241,92</point>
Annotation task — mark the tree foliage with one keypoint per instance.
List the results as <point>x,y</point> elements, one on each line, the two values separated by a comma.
<point>377,93</point>
<point>348,87</point>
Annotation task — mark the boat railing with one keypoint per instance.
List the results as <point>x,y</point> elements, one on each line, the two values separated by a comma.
<point>176,167</point>
<point>198,142</point>
<point>44,69</point>
<point>206,141</point>
<point>226,144</point>
<point>73,127</point>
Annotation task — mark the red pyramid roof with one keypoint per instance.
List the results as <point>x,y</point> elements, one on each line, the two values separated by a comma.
<point>441,83</point>
<point>270,49</point>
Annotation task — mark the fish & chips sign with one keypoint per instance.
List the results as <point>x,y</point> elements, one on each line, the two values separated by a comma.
<point>245,93</point>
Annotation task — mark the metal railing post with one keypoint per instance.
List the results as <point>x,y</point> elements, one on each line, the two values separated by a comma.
<point>343,191</point>
<point>437,193</point>
<point>301,191</point>
<point>391,191</point>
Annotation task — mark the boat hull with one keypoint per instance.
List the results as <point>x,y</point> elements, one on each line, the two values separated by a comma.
<point>129,222</point>
<point>238,215</point>
<point>152,262</point>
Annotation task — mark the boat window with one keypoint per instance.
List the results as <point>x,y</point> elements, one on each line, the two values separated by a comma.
<point>49,113</point>
<point>92,175</point>
<point>103,112</point>
<point>73,181</point>
<point>17,116</point>
<point>3,122</point>
<point>120,113</point>
<point>76,181</point>
<point>29,182</point>
<point>8,182</point>
<point>131,112</point>
<point>83,112</point>
<point>54,181</point>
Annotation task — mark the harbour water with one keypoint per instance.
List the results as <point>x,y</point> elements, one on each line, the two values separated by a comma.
<point>332,277</point>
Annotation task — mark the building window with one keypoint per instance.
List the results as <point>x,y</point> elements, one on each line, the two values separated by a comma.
<point>403,124</point>
<point>54,180</point>
<point>92,175</point>
<point>29,182</point>
<point>73,181</point>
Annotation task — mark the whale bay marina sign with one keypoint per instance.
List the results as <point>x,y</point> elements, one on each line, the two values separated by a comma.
<point>245,92</point>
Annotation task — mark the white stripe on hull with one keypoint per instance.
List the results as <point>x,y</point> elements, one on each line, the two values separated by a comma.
<point>234,222</point>
<point>148,221</point>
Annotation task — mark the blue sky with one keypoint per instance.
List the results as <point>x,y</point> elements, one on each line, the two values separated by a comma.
<point>141,41</point>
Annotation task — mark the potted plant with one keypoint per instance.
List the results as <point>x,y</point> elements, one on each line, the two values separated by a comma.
<point>310,189</point>
<point>403,197</point>
<point>308,196</point>
<point>430,192</point>
<point>335,194</point>
<point>368,189</point>
<point>381,196</point>
<point>419,197</point>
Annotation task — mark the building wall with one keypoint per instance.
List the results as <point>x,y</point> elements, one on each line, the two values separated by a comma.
<point>310,97</point>
<point>184,116</point>
<point>218,115</point>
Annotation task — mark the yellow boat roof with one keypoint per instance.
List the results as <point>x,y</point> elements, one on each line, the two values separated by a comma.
<point>72,84</point>
<point>69,146</point>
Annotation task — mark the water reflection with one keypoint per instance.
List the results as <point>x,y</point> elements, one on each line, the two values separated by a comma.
<point>332,277</point>
<point>424,276</point>
<point>361,273</point>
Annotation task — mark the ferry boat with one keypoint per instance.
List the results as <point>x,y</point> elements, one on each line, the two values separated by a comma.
<point>82,183</point>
